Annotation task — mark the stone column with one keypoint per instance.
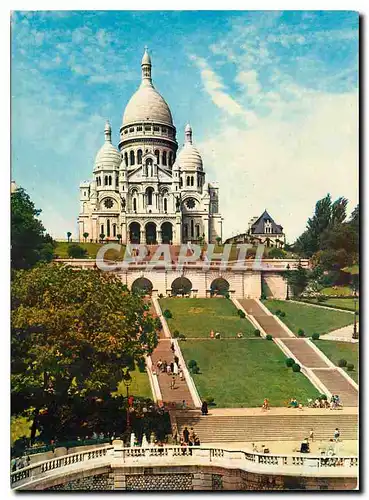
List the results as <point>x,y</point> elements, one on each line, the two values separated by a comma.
<point>206,229</point>
<point>158,236</point>
<point>143,237</point>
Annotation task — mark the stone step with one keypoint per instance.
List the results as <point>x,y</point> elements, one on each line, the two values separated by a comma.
<point>305,353</point>
<point>336,383</point>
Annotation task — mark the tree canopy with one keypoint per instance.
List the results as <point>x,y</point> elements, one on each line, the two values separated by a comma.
<point>73,331</point>
<point>29,241</point>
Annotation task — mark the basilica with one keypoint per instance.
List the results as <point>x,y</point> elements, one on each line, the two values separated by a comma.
<point>142,191</point>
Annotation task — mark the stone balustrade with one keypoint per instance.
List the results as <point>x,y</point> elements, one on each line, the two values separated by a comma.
<point>169,456</point>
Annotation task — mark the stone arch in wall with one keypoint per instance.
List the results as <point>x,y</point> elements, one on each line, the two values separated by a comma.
<point>142,286</point>
<point>150,231</point>
<point>167,232</point>
<point>219,286</point>
<point>181,286</point>
<point>134,232</point>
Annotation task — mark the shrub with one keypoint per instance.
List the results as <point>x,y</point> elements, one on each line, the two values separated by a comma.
<point>282,314</point>
<point>263,296</point>
<point>269,337</point>
<point>315,336</point>
<point>167,314</point>
<point>176,334</point>
<point>296,367</point>
<point>76,251</point>
<point>278,312</point>
<point>192,363</point>
<point>182,336</point>
<point>342,363</point>
<point>323,396</point>
<point>241,313</point>
<point>146,307</point>
<point>290,362</point>
<point>301,333</point>
<point>350,367</point>
<point>161,295</point>
<point>257,333</point>
<point>322,298</point>
<point>209,400</point>
<point>226,295</point>
<point>195,369</point>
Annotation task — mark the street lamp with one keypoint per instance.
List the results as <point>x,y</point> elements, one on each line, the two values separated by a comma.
<point>127,380</point>
<point>355,334</point>
<point>287,296</point>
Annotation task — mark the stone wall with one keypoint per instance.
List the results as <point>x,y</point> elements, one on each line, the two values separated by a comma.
<point>100,482</point>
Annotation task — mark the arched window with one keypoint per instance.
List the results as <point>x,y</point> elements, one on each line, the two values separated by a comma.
<point>165,205</point>
<point>102,229</point>
<point>164,158</point>
<point>114,230</point>
<point>180,182</point>
<point>149,193</point>
<point>188,180</point>
<point>116,181</point>
<point>106,180</point>
<point>132,157</point>
<point>139,157</point>
<point>108,228</point>
<point>109,180</point>
<point>192,232</point>
<point>126,159</point>
<point>157,154</point>
<point>192,181</point>
<point>134,205</point>
<point>197,231</point>
<point>170,159</point>
<point>185,231</point>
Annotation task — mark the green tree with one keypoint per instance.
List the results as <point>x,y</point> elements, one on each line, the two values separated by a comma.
<point>71,335</point>
<point>297,280</point>
<point>76,251</point>
<point>276,253</point>
<point>29,241</point>
<point>69,234</point>
<point>85,235</point>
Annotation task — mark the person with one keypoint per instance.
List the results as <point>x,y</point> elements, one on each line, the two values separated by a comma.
<point>175,371</point>
<point>204,408</point>
<point>192,436</point>
<point>239,335</point>
<point>317,403</point>
<point>94,435</point>
<point>159,364</point>
<point>172,347</point>
<point>211,334</point>
<point>164,366</point>
<point>184,406</point>
<point>180,374</point>
<point>172,367</point>
<point>13,464</point>
<point>255,448</point>
<point>311,435</point>
<point>336,434</point>
<point>305,448</point>
<point>173,382</point>
<point>332,403</point>
<point>197,440</point>
<point>300,406</point>
<point>266,404</point>
<point>176,359</point>
<point>186,435</point>
<point>168,369</point>
<point>293,403</point>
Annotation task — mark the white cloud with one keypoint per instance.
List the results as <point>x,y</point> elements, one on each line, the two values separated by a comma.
<point>286,166</point>
<point>249,81</point>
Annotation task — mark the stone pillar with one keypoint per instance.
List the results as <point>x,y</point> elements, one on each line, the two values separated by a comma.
<point>158,236</point>
<point>143,237</point>
<point>124,233</point>
<point>206,229</point>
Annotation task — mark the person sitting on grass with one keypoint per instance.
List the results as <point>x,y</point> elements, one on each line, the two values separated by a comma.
<point>211,334</point>
<point>239,335</point>
<point>293,403</point>
<point>266,404</point>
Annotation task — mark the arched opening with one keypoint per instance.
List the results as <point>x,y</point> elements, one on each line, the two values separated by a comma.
<point>185,231</point>
<point>106,180</point>
<point>142,286</point>
<point>139,157</point>
<point>134,204</point>
<point>180,182</point>
<point>149,168</point>
<point>149,195</point>
<point>116,181</point>
<point>114,230</point>
<point>132,157</point>
<point>134,232</point>
<point>157,154</point>
<point>188,181</point>
<point>197,228</point>
<point>192,229</point>
<point>219,286</point>
<point>170,158</point>
<point>150,231</point>
<point>109,180</point>
<point>192,181</point>
<point>164,158</point>
<point>165,203</point>
<point>167,232</point>
<point>181,286</point>
<point>108,228</point>
<point>102,229</point>
<point>126,159</point>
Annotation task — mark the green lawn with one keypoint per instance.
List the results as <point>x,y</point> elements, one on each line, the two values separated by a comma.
<point>241,373</point>
<point>197,317</point>
<point>140,385</point>
<point>309,318</point>
<point>338,290</point>
<point>341,350</point>
<point>335,303</point>
<point>61,250</point>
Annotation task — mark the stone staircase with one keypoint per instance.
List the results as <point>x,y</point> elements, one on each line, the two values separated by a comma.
<point>181,391</point>
<point>291,426</point>
<point>336,383</point>
<point>304,353</point>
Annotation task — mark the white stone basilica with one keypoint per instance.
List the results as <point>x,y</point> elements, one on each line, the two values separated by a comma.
<point>143,192</point>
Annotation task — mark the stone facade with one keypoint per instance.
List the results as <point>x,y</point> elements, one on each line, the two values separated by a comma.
<point>143,191</point>
<point>100,482</point>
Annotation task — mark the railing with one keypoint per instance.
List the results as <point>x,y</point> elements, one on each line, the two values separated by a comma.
<point>197,455</point>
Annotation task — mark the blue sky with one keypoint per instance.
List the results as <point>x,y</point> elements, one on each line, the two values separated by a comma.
<point>271,96</point>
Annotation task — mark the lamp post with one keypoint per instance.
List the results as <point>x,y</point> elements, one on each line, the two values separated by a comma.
<point>355,334</point>
<point>287,296</point>
<point>127,379</point>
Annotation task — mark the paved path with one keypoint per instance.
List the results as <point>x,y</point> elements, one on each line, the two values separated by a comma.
<point>342,334</point>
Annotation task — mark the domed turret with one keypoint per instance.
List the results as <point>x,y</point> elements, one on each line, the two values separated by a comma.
<point>108,157</point>
<point>189,158</point>
<point>147,104</point>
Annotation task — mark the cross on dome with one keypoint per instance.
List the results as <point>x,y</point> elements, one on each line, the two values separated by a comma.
<point>107,131</point>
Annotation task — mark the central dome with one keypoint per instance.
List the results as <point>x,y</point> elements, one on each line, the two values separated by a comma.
<point>147,104</point>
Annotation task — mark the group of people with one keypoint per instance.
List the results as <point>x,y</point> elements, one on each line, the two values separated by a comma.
<point>19,463</point>
<point>173,368</point>
<point>334,403</point>
<point>189,437</point>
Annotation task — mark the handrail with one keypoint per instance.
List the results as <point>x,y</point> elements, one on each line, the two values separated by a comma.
<point>202,455</point>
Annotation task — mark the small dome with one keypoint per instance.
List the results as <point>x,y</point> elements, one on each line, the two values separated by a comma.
<point>108,157</point>
<point>147,104</point>
<point>189,158</point>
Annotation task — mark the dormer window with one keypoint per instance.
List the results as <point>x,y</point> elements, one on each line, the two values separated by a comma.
<point>131,129</point>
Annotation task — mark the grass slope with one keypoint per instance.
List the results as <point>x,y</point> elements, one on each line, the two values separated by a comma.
<point>311,319</point>
<point>241,373</point>
<point>341,350</point>
<point>61,250</point>
<point>196,317</point>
